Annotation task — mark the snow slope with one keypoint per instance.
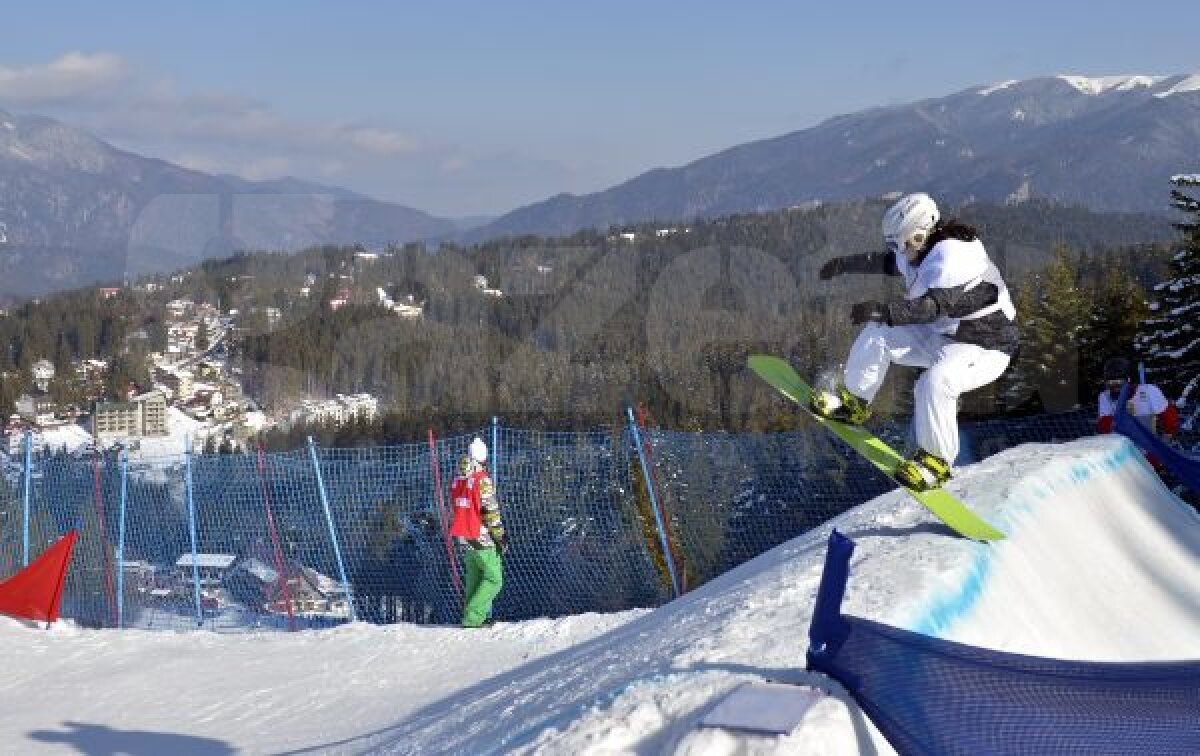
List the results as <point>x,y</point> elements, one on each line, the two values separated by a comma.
<point>1101,563</point>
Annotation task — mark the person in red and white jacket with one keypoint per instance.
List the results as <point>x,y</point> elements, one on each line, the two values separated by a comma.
<point>1146,403</point>
<point>478,529</point>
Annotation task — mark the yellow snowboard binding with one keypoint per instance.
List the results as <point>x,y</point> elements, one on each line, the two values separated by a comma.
<point>923,471</point>
<point>840,405</point>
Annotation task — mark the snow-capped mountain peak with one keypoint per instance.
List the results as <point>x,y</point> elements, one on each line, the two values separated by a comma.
<point>1187,84</point>
<point>998,86</point>
<point>1101,84</point>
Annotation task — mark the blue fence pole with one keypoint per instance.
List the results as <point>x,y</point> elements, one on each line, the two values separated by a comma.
<point>27,500</point>
<point>337,550</point>
<point>121,538</point>
<point>191,504</point>
<point>658,519</point>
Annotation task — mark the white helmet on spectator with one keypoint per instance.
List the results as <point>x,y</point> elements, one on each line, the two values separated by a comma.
<point>478,450</point>
<point>908,223</point>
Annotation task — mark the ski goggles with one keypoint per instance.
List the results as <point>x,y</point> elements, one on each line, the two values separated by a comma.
<point>914,243</point>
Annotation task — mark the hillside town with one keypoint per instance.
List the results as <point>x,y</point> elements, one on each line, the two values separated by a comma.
<point>195,393</point>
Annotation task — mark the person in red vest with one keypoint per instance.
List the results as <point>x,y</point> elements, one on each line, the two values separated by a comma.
<point>478,528</point>
<point>1146,403</point>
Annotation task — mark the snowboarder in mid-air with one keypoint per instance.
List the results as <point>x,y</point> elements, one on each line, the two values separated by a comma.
<point>957,321</point>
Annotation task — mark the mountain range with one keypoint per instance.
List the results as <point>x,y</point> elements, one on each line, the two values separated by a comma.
<point>78,210</point>
<point>75,210</point>
<point>1106,143</point>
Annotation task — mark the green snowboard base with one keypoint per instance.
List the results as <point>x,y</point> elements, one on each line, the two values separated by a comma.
<point>944,505</point>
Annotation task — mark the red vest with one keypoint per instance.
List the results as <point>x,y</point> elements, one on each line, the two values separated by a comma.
<point>468,514</point>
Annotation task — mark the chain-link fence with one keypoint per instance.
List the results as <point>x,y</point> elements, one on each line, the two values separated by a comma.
<point>598,521</point>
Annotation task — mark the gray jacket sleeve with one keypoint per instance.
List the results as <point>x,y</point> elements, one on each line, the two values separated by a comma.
<point>883,262</point>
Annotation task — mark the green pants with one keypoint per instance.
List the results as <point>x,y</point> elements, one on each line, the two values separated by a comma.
<point>485,577</point>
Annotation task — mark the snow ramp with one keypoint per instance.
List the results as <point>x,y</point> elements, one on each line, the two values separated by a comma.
<point>1101,563</point>
<point>932,696</point>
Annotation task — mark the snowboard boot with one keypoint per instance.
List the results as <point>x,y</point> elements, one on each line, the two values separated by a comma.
<point>922,471</point>
<point>840,405</point>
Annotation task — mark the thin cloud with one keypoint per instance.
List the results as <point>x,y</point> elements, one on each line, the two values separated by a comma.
<point>146,112</point>
<point>379,141</point>
<point>74,77</point>
<point>107,95</point>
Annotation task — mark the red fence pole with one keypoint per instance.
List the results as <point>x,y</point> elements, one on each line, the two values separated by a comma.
<point>279,564</point>
<point>441,501</point>
<point>662,503</point>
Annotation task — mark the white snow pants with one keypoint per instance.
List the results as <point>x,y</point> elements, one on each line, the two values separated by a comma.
<point>953,368</point>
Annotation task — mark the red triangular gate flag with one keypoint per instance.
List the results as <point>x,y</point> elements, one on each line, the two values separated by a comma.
<point>35,592</point>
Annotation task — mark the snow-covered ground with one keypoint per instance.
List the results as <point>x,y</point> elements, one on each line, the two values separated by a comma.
<point>1101,563</point>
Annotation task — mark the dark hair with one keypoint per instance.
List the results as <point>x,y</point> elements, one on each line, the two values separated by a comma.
<point>951,229</point>
<point>1119,369</point>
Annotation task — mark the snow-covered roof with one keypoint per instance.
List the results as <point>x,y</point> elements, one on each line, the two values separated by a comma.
<point>325,584</point>
<point>260,570</point>
<point>1101,84</point>
<point>70,437</point>
<point>215,561</point>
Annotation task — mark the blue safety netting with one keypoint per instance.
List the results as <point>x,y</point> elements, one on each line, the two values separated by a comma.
<point>932,696</point>
<point>731,497</point>
<point>578,540</point>
<point>315,537</point>
<point>983,439</point>
<point>11,519</point>
<point>1183,466</point>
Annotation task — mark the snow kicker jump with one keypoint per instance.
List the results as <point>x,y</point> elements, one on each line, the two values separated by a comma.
<point>932,696</point>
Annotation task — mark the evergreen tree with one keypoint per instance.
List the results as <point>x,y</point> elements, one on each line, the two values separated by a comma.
<point>1053,312</point>
<point>1118,309</point>
<point>1019,385</point>
<point>1169,340</point>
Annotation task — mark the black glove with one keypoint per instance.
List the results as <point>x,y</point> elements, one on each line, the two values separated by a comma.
<point>502,545</point>
<point>869,312</point>
<point>830,269</point>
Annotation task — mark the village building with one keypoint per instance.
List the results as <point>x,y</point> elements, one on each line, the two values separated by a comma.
<point>142,416</point>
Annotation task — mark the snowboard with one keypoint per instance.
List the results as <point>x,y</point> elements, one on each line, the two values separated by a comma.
<point>943,504</point>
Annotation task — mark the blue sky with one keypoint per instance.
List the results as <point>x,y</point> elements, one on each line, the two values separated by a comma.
<point>460,108</point>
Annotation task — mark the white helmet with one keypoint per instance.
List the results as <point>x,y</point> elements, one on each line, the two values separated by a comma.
<point>909,222</point>
<point>478,450</point>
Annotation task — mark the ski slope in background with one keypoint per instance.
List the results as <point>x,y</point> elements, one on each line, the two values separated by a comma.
<point>1101,563</point>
